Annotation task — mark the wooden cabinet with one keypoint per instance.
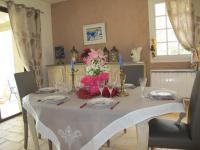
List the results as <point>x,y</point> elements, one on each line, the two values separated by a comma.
<point>55,74</point>
<point>62,73</point>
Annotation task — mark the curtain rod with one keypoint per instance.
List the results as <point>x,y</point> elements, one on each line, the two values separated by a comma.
<point>15,3</point>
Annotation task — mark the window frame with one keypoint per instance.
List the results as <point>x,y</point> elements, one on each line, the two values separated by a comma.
<point>152,34</point>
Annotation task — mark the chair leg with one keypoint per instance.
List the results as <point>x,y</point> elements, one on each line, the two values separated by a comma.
<point>25,135</point>
<point>24,114</point>
<point>31,123</point>
<point>125,130</point>
<point>108,143</point>
<point>50,145</point>
<point>39,136</point>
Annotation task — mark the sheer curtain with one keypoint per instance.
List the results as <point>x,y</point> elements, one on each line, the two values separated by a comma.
<point>184,16</point>
<point>26,27</point>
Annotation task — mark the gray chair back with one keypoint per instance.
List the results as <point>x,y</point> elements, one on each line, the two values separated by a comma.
<point>26,83</point>
<point>194,111</point>
<point>133,73</point>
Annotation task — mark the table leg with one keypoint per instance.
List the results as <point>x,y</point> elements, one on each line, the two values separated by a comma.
<point>142,135</point>
<point>31,123</point>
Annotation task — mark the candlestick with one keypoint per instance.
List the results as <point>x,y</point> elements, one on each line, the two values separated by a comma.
<point>120,61</point>
<point>72,64</point>
<point>122,92</point>
<point>73,90</point>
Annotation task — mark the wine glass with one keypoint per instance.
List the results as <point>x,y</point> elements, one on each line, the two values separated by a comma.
<point>101,85</point>
<point>143,82</point>
<point>78,83</point>
<point>116,83</point>
<point>55,85</point>
<point>110,88</point>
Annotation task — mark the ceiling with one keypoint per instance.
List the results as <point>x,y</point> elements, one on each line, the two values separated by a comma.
<point>4,17</point>
<point>53,1</point>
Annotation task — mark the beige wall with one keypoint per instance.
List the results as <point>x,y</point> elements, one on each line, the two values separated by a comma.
<point>126,23</point>
<point>126,26</point>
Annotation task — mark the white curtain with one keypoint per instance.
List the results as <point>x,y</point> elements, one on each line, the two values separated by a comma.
<point>184,16</point>
<point>26,27</point>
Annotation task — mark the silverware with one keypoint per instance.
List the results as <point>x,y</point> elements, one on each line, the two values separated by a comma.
<point>60,103</point>
<point>112,107</point>
<point>83,105</point>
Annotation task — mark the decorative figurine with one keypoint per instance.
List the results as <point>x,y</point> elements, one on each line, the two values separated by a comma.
<point>74,54</point>
<point>136,54</point>
<point>122,92</point>
<point>106,53</point>
<point>114,54</point>
<point>153,48</point>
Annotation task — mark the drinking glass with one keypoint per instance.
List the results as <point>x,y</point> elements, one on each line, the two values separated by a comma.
<point>58,86</point>
<point>110,88</point>
<point>78,83</point>
<point>101,85</point>
<point>143,82</point>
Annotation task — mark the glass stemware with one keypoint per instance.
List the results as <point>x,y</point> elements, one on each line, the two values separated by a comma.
<point>110,88</point>
<point>143,82</point>
<point>101,85</point>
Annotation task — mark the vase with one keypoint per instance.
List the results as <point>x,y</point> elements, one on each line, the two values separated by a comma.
<point>91,82</point>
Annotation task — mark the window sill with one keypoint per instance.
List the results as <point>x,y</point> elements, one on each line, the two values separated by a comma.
<point>173,58</point>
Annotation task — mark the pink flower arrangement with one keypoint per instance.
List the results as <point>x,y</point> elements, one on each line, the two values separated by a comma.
<point>96,71</point>
<point>95,55</point>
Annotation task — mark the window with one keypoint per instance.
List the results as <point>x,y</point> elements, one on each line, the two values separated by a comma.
<point>168,47</point>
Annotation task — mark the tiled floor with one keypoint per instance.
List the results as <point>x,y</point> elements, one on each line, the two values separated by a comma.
<point>11,138</point>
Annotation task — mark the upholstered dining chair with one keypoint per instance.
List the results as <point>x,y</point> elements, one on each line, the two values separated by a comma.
<point>167,134</point>
<point>26,84</point>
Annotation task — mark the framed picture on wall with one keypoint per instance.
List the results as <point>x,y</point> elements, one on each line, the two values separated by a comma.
<point>94,34</point>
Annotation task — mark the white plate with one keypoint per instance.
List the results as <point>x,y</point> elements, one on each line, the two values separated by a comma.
<point>162,93</point>
<point>129,85</point>
<point>55,98</point>
<point>47,89</point>
<point>101,101</point>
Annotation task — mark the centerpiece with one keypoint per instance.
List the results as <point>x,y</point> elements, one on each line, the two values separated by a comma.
<point>96,73</point>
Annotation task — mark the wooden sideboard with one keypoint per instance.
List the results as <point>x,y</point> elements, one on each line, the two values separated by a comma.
<point>62,73</point>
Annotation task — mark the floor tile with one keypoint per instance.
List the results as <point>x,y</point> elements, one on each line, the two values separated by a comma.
<point>15,137</point>
<point>8,145</point>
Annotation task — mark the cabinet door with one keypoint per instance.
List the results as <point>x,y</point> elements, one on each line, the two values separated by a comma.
<point>114,73</point>
<point>55,75</point>
<point>81,71</point>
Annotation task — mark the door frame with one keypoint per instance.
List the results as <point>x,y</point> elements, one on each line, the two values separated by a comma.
<point>4,9</point>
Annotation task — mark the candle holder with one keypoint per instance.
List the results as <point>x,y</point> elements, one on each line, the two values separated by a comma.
<point>122,92</point>
<point>73,90</point>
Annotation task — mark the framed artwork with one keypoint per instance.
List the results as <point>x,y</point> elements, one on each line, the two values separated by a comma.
<point>59,52</point>
<point>94,34</point>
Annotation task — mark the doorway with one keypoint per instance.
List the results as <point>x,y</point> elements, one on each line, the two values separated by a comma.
<point>9,103</point>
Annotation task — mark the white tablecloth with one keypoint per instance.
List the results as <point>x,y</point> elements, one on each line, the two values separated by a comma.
<point>70,127</point>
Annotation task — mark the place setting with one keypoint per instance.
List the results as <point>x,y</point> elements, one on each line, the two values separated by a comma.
<point>55,99</point>
<point>56,95</point>
<point>101,103</point>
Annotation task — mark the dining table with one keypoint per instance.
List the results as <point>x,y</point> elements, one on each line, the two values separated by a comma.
<point>75,125</point>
